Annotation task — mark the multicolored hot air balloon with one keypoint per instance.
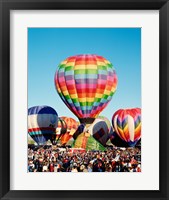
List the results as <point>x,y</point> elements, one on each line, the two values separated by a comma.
<point>42,123</point>
<point>72,126</point>
<point>86,84</point>
<point>127,125</point>
<point>71,123</point>
<point>87,142</point>
<point>65,138</point>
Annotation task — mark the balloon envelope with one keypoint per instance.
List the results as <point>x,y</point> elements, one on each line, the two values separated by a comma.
<point>71,123</point>
<point>65,138</point>
<point>127,125</point>
<point>86,84</point>
<point>42,123</point>
<point>72,126</point>
<point>106,120</point>
<point>99,130</point>
<point>88,143</point>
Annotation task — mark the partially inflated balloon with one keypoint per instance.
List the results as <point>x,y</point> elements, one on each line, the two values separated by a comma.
<point>71,123</point>
<point>106,120</point>
<point>99,130</point>
<point>65,138</point>
<point>86,84</point>
<point>127,125</point>
<point>42,123</point>
<point>88,143</point>
<point>72,126</point>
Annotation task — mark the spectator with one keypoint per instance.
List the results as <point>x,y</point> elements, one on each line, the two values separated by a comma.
<point>61,160</point>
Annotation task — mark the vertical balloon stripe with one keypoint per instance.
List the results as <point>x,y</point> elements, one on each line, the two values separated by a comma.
<point>76,68</point>
<point>125,126</point>
<point>101,85</point>
<point>57,85</point>
<point>131,127</point>
<point>117,125</point>
<point>120,126</point>
<point>73,104</point>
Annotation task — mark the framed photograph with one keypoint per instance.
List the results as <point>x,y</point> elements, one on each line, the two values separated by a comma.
<point>84,90</point>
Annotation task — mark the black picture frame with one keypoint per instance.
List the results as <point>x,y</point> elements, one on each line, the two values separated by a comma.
<point>5,7</point>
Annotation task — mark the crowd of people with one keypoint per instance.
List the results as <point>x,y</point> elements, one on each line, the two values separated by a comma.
<point>57,159</point>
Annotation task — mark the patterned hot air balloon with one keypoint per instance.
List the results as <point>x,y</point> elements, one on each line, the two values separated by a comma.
<point>42,123</point>
<point>86,84</point>
<point>106,120</point>
<point>71,123</point>
<point>99,130</point>
<point>72,126</point>
<point>127,125</point>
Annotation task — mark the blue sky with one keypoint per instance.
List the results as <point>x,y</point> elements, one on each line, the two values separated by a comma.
<point>47,47</point>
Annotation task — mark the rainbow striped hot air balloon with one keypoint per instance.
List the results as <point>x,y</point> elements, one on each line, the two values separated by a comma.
<point>86,84</point>
<point>42,123</point>
<point>127,125</point>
